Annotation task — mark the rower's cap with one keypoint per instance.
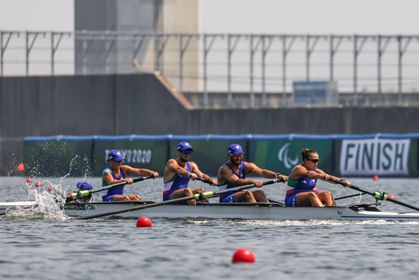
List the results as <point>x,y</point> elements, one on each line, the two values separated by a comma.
<point>235,149</point>
<point>115,155</point>
<point>84,186</point>
<point>184,146</point>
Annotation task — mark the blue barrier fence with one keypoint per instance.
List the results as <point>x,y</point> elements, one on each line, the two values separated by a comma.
<point>345,155</point>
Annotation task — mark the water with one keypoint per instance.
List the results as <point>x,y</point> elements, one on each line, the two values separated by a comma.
<point>53,247</point>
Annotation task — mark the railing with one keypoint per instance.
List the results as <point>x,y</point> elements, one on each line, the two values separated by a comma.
<point>260,65</point>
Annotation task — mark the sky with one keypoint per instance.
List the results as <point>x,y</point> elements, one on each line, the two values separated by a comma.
<point>37,15</point>
<point>246,16</point>
<point>311,16</point>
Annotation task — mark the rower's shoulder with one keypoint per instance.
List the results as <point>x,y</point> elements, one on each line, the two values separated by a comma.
<point>172,161</point>
<point>193,164</point>
<point>106,171</point>
<point>299,167</point>
<point>223,169</point>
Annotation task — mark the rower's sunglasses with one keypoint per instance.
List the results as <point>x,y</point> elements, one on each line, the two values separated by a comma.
<point>186,152</point>
<point>314,160</point>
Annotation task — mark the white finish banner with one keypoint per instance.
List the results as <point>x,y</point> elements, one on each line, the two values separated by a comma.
<point>374,157</point>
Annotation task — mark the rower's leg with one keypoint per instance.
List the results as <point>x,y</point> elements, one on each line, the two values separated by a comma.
<point>198,190</point>
<point>183,193</point>
<point>134,197</point>
<point>244,196</point>
<point>327,199</point>
<point>120,197</point>
<point>260,196</point>
<point>307,199</point>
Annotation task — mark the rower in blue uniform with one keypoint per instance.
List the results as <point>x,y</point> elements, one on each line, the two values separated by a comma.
<point>79,195</point>
<point>179,171</point>
<point>233,174</point>
<point>116,173</point>
<point>303,180</point>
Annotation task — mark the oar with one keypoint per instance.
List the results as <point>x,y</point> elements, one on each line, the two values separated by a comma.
<point>88,192</point>
<point>197,196</point>
<point>383,196</point>
<point>348,196</point>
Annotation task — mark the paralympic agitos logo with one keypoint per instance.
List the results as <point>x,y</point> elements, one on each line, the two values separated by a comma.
<point>283,156</point>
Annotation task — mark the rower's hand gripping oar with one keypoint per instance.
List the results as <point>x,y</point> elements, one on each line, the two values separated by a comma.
<point>85,193</point>
<point>198,196</point>
<point>382,196</point>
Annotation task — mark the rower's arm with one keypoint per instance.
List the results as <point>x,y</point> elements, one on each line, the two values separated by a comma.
<point>265,172</point>
<point>140,171</point>
<point>204,177</point>
<point>173,166</point>
<point>300,171</point>
<point>228,176</point>
<point>332,179</point>
<point>107,177</point>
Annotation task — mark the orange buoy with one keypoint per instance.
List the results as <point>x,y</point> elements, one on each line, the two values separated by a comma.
<point>21,168</point>
<point>144,222</point>
<point>28,180</point>
<point>243,255</point>
<point>375,178</point>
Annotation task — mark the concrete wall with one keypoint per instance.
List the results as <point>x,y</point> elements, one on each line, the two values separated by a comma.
<point>147,104</point>
<point>142,104</point>
<point>138,16</point>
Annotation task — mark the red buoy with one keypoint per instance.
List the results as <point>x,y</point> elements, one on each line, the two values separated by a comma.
<point>375,178</point>
<point>39,184</point>
<point>28,180</point>
<point>21,168</point>
<point>144,222</point>
<point>243,255</point>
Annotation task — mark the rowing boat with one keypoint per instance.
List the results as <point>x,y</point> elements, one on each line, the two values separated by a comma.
<point>256,211</point>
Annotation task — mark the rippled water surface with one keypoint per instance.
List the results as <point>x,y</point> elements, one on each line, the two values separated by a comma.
<point>44,246</point>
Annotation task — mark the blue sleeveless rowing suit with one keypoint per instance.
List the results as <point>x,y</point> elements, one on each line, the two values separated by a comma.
<point>229,196</point>
<point>115,190</point>
<point>176,183</point>
<point>303,184</point>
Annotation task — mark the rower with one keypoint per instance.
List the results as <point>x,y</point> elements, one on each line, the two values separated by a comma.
<point>81,196</point>
<point>179,171</point>
<point>303,179</point>
<point>233,174</point>
<point>116,173</point>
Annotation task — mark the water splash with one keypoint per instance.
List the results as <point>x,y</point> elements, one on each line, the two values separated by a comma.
<point>49,200</point>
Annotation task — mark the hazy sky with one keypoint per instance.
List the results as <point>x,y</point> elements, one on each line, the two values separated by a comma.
<point>311,16</point>
<point>246,16</point>
<point>37,15</point>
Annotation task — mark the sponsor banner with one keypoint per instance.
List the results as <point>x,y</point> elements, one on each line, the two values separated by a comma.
<point>282,155</point>
<point>150,154</point>
<point>209,154</point>
<point>374,157</point>
<point>58,158</point>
